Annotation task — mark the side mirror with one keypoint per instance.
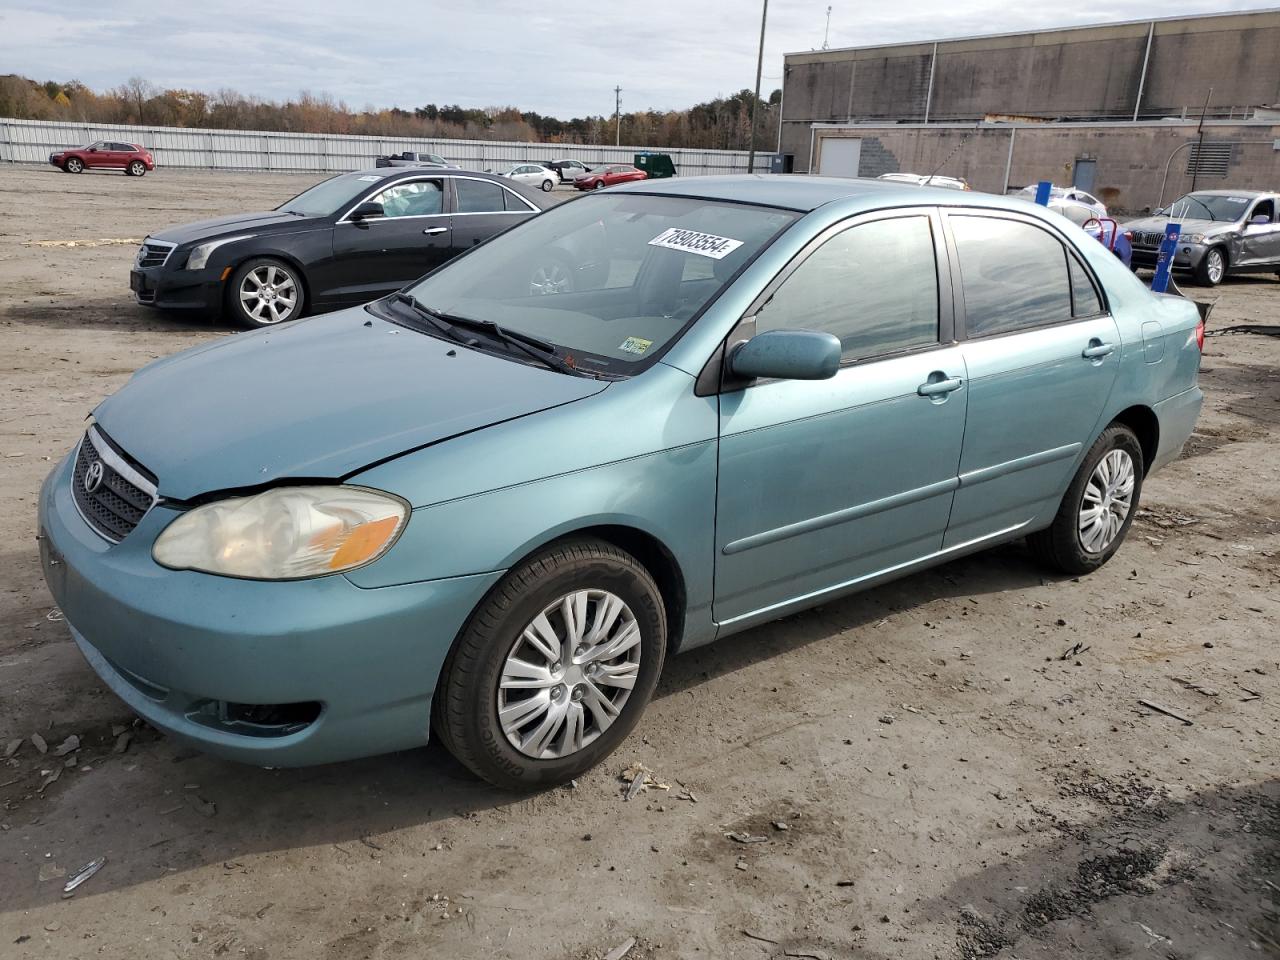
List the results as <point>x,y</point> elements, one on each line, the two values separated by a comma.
<point>1261,219</point>
<point>93,149</point>
<point>370,208</point>
<point>787,355</point>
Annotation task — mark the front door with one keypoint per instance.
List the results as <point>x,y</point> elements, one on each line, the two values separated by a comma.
<point>1042,355</point>
<point>377,255</point>
<point>823,484</point>
<point>1260,244</point>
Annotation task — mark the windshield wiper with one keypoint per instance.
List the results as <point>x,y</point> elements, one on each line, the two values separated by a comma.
<point>436,321</point>
<point>540,350</point>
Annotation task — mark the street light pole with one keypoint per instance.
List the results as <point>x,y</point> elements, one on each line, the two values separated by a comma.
<point>755,103</point>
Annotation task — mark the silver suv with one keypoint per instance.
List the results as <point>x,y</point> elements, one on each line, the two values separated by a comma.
<point>1223,231</point>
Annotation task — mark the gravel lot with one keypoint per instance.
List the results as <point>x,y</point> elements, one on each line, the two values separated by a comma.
<point>933,773</point>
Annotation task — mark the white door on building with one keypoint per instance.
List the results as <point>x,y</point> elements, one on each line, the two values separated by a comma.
<point>839,156</point>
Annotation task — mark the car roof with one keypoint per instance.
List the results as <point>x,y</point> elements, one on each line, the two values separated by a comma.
<point>1234,193</point>
<point>805,193</point>
<point>536,197</point>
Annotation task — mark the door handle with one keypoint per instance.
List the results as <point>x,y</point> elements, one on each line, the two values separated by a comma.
<point>432,231</point>
<point>939,388</point>
<point>1096,349</point>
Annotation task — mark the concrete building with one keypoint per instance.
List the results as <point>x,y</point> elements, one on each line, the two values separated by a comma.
<point>1107,107</point>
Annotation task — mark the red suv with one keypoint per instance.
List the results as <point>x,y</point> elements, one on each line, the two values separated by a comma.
<point>133,159</point>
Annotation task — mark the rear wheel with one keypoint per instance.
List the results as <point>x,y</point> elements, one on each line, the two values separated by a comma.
<point>74,165</point>
<point>265,292</point>
<point>1212,268</point>
<point>547,185</point>
<point>554,668</point>
<point>136,169</point>
<point>1098,508</point>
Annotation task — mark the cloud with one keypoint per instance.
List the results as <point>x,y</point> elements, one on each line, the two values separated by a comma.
<point>558,59</point>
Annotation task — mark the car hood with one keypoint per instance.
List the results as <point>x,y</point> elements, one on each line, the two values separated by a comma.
<point>267,221</point>
<point>1157,225</point>
<point>316,399</point>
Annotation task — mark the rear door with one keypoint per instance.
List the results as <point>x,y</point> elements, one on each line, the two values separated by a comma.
<point>375,256</point>
<point>1042,355</point>
<point>826,483</point>
<point>483,208</point>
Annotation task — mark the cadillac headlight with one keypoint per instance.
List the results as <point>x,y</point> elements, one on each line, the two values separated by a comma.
<point>199,255</point>
<point>289,533</point>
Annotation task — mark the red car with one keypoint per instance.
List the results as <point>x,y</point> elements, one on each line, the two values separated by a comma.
<point>609,175</point>
<point>133,159</point>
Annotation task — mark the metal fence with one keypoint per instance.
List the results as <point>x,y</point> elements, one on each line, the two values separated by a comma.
<point>31,141</point>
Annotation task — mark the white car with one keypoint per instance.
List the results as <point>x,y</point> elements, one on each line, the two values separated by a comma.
<point>934,180</point>
<point>1068,194</point>
<point>533,175</point>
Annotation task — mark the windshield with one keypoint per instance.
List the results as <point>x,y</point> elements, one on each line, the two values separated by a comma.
<point>610,280</point>
<point>330,196</point>
<point>1206,206</point>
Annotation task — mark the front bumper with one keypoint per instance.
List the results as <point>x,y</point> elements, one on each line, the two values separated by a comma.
<point>179,646</point>
<point>197,291</point>
<point>1186,257</point>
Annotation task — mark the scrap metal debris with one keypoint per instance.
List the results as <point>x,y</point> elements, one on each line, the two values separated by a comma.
<point>50,777</point>
<point>745,838</point>
<point>1193,685</point>
<point>1074,651</point>
<point>83,874</point>
<point>39,743</point>
<point>639,779</point>
<point>67,746</point>
<point>1165,710</point>
<point>621,950</point>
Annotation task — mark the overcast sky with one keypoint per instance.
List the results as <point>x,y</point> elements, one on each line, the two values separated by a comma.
<point>558,57</point>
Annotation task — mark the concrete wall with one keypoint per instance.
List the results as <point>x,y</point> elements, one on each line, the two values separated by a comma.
<point>1086,73</point>
<point>1131,158</point>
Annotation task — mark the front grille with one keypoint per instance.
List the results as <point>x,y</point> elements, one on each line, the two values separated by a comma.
<point>1148,239</point>
<point>154,253</point>
<point>111,495</point>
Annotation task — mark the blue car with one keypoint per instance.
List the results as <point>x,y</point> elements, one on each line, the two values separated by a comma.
<point>487,511</point>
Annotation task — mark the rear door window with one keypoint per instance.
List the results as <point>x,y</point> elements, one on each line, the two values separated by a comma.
<point>479,196</point>
<point>1013,275</point>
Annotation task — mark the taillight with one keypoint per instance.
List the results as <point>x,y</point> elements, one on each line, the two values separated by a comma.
<point>1200,335</point>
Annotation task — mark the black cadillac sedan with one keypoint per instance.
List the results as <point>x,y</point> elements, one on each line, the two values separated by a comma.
<point>347,240</point>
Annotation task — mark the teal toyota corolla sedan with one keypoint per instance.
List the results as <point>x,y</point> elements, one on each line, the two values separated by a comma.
<point>488,508</point>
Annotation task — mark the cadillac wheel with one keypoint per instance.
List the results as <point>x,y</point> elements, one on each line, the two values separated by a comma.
<point>555,667</point>
<point>265,292</point>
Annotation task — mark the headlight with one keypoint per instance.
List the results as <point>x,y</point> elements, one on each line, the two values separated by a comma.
<point>289,533</point>
<point>1191,238</point>
<point>199,255</point>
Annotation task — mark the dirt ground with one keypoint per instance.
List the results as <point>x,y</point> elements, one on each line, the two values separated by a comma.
<point>933,770</point>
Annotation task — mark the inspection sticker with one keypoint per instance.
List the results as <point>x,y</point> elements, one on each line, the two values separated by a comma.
<point>636,345</point>
<point>691,241</point>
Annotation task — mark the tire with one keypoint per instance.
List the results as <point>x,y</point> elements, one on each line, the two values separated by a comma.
<point>1063,546</point>
<point>265,275</point>
<point>538,752</point>
<point>554,274</point>
<point>547,185</point>
<point>73,165</point>
<point>136,169</point>
<point>1212,268</point>
<point>599,185</point>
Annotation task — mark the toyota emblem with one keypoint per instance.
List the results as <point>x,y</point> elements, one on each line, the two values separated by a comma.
<point>93,477</point>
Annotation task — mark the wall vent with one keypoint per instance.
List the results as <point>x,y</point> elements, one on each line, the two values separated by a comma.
<point>1209,159</point>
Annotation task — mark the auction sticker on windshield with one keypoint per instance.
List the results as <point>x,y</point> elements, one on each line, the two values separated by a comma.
<point>691,241</point>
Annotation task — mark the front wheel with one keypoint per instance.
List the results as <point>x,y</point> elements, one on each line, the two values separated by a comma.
<point>554,667</point>
<point>547,185</point>
<point>74,165</point>
<point>265,292</point>
<point>1212,269</point>
<point>1098,508</point>
<point>599,185</point>
<point>136,169</point>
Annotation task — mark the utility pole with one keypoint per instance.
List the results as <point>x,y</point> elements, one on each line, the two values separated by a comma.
<point>755,102</point>
<point>1195,167</point>
<point>826,33</point>
<point>617,115</point>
